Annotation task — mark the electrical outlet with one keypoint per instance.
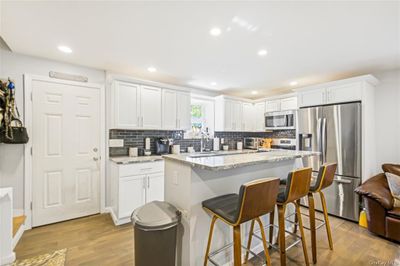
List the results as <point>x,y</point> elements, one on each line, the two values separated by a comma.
<point>113,143</point>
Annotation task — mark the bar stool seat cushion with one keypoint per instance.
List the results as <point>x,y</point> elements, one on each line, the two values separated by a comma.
<point>281,194</point>
<point>226,206</point>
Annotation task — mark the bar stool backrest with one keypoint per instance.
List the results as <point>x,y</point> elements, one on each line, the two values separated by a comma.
<point>325,176</point>
<point>298,184</point>
<point>257,198</point>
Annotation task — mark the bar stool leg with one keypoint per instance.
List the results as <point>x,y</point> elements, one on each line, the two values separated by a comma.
<point>303,240</point>
<point>249,241</point>
<point>214,219</point>
<point>296,220</point>
<point>311,209</point>
<point>282,244</point>
<point>237,246</point>
<point>327,225</point>
<point>264,240</point>
<point>271,227</point>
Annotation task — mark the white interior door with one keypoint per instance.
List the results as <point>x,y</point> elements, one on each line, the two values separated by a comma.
<point>66,142</point>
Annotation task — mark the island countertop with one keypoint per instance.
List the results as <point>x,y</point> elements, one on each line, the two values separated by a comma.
<point>223,161</point>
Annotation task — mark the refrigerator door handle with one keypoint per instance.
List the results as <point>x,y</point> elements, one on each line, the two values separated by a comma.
<point>342,181</point>
<point>324,140</point>
<point>319,123</point>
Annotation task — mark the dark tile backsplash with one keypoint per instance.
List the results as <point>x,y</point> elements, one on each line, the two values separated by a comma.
<point>135,138</point>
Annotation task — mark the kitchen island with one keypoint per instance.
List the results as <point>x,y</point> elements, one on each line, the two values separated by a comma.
<point>193,178</point>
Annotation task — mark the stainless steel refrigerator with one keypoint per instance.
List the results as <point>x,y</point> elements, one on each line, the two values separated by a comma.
<point>335,131</point>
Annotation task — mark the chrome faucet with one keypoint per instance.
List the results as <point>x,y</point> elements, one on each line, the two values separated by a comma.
<point>205,138</point>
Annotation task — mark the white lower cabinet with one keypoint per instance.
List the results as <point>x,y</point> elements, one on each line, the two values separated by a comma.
<point>133,185</point>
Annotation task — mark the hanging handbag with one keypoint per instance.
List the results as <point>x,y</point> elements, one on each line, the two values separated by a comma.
<point>15,133</point>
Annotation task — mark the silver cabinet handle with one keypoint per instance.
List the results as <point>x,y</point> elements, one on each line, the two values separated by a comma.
<point>148,182</point>
<point>342,181</point>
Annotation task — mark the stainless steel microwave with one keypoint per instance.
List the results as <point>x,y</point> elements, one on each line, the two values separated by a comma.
<point>280,120</point>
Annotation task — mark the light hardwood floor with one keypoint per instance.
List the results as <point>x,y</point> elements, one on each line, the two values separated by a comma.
<point>95,240</point>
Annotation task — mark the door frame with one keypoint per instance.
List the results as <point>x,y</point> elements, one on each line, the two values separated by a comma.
<point>28,169</point>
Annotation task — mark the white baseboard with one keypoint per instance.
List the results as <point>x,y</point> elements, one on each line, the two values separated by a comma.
<point>18,236</point>
<point>7,260</point>
<point>115,219</point>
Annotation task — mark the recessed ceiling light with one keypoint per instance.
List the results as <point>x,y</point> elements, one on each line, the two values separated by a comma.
<point>65,49</point>
<point>293,83</point>
<point>151,69</point>
<point>215,31</point>
<point>262,52</point>
<point>254,92</point>
<point>214,83</point>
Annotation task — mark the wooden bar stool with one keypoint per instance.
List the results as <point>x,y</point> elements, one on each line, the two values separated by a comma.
<point>255,199</point>
<point>324,179</point>
<point>297,186</point>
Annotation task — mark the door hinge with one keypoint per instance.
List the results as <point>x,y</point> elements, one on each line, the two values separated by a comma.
<point>31,206</point>
<point>31,151</point>
<point>31,96</point>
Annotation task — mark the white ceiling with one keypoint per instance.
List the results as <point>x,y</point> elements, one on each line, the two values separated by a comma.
<point>306,41</point>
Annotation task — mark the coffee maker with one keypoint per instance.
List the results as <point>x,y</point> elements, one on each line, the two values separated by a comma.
<point>162,146</point>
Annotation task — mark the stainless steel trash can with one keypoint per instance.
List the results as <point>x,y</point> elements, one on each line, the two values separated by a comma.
<point>155,232</point>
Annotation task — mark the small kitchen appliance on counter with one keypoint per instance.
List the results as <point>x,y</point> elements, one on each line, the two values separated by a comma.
<point>162,146</point>
<point>286,144</point>
<point>253,143</point>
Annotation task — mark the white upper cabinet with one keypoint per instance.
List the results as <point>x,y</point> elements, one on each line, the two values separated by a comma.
<point>248,119</point>
<point>344,93</point>
<point>184,111</point>
<point>259,112</point>
<point>126,105</point>
<point>281,104</point>
<point>169,109</point>
<point>237,115</point>
<point>272,106</point>
<point>144,107</point>
<point>331,93</point>
<point>176,110</point>
<point>312,97</point>
<point>150,102</point>
<point>289,103</point>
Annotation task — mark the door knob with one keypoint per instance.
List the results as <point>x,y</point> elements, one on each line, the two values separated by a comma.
<point>95,149</point>
<point>95,159</point>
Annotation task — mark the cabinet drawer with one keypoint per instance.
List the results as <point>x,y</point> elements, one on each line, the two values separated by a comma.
<point>141,168</point>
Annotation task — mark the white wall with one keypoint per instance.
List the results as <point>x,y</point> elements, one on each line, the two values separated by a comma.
<point>387,116</point>
<point>14,66</point>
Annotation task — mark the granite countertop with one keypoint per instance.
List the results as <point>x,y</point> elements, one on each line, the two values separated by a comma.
<point>222,161</point>
<point>140,159</point>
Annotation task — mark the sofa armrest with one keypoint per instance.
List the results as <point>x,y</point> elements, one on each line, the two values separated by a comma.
<point>377,188</point>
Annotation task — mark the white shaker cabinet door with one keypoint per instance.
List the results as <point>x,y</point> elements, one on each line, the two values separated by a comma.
<point>237,115</point>
<point>228,110</point>
<point>131,194</point>
<point>312,98</point>
<point>273,106</point>
<point>344,93</point>
<point>184,111</point>
<point>248,119</point>
<point>259,116</point>
<point>169,109</point>
<point>126,105</point>
<point>155,187</point>
<point>150,106</point>
<point>289,103</point>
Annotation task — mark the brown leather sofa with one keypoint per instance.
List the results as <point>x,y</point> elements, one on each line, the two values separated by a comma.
<point>383,219</point>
